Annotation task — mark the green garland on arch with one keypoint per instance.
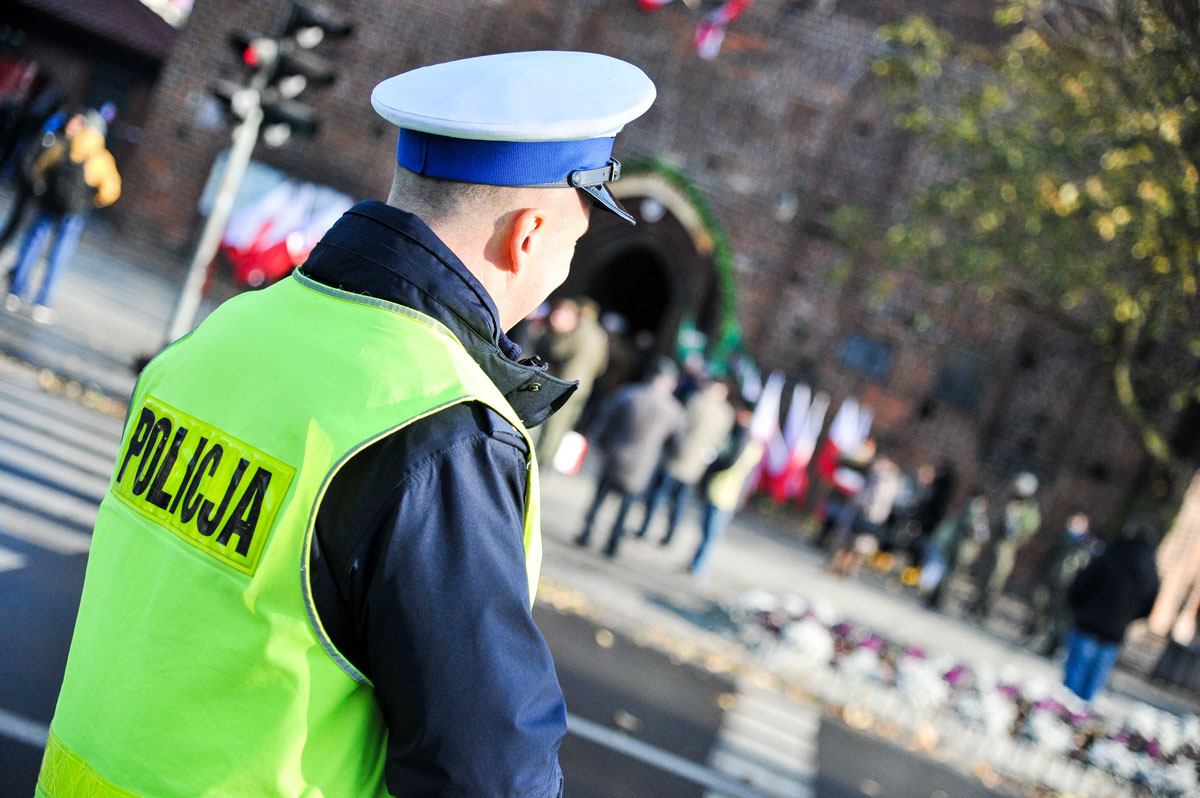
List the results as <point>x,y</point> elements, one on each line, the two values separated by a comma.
<point>729,330</point>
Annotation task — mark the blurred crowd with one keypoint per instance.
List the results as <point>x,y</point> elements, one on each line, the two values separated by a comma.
<point>55,156</point>
<point>667,432</point>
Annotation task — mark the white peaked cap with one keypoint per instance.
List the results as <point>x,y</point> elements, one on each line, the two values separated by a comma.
<point>540,118</point>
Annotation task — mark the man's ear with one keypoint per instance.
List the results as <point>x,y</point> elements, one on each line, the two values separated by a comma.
<point>525,238</point>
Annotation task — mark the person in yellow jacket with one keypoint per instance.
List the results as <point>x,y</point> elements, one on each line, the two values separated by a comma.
<point>313,571</point>
<point>73,176</point>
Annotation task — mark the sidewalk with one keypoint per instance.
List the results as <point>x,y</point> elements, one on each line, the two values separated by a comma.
<point>114,308</point>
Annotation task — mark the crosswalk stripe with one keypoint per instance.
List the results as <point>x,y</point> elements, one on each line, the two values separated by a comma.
<point>41,531</point>
<point>11,560</point>
<point>33,465</point>
<point>25,730</point>
<point>53,448</point>
<point>62,408</point>
<point>23,492</point>
<point>769,742</point>
<point>95,443</point>
<point>658,758</point>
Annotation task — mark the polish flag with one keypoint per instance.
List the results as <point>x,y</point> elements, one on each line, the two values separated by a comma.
<point>803,442</point>
<point>710,33</point>
<point>847,432</point>
<point>764,425</point>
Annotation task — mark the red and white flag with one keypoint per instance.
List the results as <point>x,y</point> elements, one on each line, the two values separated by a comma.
<point>710,33</point>
<point>847,432</point>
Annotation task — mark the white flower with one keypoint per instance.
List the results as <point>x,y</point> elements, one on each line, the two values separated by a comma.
<point>1180,778</point>
<point>921,682</point>
<point>1190,727</point>
<point>794,605</point>
<point>825,612</point>
<point>810,640</point>
<point>1114,757</point>
<point>1143,721</point>
<point>756,601</point>
<point>998,712</point>
<point>861,662</point>
<point>1047,730</point>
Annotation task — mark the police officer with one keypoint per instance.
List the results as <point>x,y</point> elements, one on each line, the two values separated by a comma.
<point>313,571</point>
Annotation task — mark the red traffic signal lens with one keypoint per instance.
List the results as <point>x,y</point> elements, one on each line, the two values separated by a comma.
<point>251,57</point>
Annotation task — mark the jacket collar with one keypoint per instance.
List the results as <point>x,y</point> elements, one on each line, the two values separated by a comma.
<point>384,252</point>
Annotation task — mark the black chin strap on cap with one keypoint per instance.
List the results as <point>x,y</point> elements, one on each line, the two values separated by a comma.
<point>593,182</point>
<point>604,197</point>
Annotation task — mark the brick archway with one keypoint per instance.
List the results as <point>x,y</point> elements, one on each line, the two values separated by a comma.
<point>656,274</point>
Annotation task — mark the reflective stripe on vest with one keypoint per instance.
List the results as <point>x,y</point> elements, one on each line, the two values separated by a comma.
<point>198,665</point>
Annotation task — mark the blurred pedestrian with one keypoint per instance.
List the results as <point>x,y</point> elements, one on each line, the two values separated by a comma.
<point>935,489</point>
<point>709,421</point>
<point>724,489</point>
<point>1066,555</point>
<point>636,426</point>
<point>860,529</point>
<point>40,129</point>
<point>1018,521</point>
<point>576,349</point>
<point>353,617</point>
<point>1113,591</point>
<point>79,175</point>
<point>954,548</point>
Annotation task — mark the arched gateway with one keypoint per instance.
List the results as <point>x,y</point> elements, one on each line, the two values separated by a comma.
<point>663,272</point>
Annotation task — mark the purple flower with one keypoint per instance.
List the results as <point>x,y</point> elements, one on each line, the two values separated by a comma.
<point>916,653</point>
<point>1153,749</point>
<point>1010,690</point>
<point>841,629</point>
<point>873,643</point>
<point>955,675</point>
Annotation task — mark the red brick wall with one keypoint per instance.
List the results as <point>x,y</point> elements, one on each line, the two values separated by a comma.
<point>788,106</point>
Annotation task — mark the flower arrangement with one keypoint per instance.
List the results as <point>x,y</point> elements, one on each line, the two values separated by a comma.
<point>1152,750</point>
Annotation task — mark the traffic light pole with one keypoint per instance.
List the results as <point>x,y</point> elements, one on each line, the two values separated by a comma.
<point>245,136</point>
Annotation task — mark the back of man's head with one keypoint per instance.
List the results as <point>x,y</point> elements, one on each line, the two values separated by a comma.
<point>442,203</point>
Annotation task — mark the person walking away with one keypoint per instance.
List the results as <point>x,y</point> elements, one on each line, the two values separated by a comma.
<point>1113,591</point>
<point>723,487</point>
<point>936,489</point>
<point>1068,553</point>
<point>639,423</point>
<point>709,422</point>
<point>1018,522</point>
<point>954,548</point>
<point>79,175</point>
<point>576,348</point>
<point>859,537</point>
<point>314,569</point>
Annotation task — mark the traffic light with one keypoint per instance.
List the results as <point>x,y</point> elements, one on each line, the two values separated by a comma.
<point>281,68</point>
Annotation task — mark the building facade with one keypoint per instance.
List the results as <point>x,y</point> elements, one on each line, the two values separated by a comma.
<point>782,128</point>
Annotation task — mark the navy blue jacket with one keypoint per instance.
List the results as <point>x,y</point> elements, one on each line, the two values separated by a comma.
<point>418,564</point>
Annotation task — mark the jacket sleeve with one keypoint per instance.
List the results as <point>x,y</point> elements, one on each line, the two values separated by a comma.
<point>437,610</point>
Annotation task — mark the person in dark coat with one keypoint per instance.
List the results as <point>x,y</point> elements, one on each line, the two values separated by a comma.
<point>936,491</point>
<point>1068,553</point>
<point>640,421</point>
<point>1116,589</point>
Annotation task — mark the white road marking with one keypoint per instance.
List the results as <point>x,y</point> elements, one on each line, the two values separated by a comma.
<point>656,757</point>
<point>11,560</point>
<point>22,729</point>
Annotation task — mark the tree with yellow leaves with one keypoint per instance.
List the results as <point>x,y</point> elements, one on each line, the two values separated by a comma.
<point>1069,183</point>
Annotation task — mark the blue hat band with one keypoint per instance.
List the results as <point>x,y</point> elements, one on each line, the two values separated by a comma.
<point>500,163</point>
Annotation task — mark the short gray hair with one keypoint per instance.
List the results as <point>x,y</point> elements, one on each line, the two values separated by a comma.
<point>436,200</point>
